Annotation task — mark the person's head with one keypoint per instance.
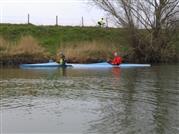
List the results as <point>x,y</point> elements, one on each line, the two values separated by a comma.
<point>102,18</point>
<point>60,53</point>
<point>115,53</point>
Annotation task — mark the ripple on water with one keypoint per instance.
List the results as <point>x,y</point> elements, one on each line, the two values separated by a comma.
<point>139,101</point>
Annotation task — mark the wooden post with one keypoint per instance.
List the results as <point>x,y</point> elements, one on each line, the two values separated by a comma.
<point>56,20</point>
<point>82,22</point>
<point>28,19</point>
<point>106,22</point>
<point>1,15</point>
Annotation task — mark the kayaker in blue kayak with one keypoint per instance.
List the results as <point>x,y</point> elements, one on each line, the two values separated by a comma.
<point>117,59</point>
<point>61,59</point>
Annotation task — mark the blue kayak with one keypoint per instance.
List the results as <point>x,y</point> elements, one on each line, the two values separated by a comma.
<point>49,65</point>
<point>92,65</point>
<point>107,65</point>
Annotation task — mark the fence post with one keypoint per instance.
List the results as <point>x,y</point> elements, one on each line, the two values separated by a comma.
<point>1,14</point>
<point>82,21</point>
<point>28,19</point>
<point>106,22</point>
<point>56,20</point>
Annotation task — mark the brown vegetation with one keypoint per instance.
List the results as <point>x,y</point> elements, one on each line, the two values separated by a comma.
<point>25,50</point>
<point>4,46</point>
<point>27,45</point>
<point>84,52</point>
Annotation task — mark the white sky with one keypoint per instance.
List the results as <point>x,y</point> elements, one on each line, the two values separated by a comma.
<point>43,12</point>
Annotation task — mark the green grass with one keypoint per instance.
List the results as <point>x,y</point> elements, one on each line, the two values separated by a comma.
<point>52,37</point>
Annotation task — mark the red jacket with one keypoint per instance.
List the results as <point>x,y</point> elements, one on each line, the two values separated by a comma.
<point>117,60</point>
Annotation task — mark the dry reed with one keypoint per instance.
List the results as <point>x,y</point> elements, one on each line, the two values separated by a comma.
<point>88,51</point>
<point>27,45</point>
<point>4,46</point>
<point>26,50</point>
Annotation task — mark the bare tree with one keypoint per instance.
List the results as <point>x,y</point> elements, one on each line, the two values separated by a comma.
<point>151,25</point>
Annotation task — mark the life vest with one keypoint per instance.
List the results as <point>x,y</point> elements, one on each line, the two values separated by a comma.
<point>117,60</point>
<point>62,61</point>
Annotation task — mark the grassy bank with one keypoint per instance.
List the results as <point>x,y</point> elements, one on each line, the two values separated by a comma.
<point>30,43</point>
<point>52,37</point>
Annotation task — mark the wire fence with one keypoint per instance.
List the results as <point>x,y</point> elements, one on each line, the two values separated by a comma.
<point>54,20</point>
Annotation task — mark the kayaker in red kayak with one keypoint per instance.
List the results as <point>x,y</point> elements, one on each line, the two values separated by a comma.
<point>117,59</point>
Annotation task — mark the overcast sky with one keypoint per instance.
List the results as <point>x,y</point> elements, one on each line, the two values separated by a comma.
<point>43,12</point>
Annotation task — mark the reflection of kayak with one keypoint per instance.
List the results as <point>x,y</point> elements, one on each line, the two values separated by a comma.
<point>92,65</point>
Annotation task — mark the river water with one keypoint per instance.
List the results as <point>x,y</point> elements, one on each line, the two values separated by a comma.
<point>121,101</point>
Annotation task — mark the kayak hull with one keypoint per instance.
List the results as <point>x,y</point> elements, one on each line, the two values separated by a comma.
<point>43,65</point>
<point>92,65</point>
<point>107,65</point>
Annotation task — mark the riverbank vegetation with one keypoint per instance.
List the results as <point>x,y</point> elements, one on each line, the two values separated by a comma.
<point>152,26</point>
<point>90,51</point>
<point>29,43</point>
<point>21,43</point>
<point>25,50</point>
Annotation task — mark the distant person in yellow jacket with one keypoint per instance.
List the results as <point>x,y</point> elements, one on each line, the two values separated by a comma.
<point>101,22</point>
<point>61,59</point>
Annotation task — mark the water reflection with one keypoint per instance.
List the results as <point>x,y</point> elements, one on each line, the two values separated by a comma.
<point>127,101</point>
<point>116,71</point>
<point>143,109</point>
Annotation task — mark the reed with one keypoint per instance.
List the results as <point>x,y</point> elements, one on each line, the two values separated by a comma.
<point>27,45</point>
<point>26,50</point>
<point>88,51</point>
<point>4,46</point>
